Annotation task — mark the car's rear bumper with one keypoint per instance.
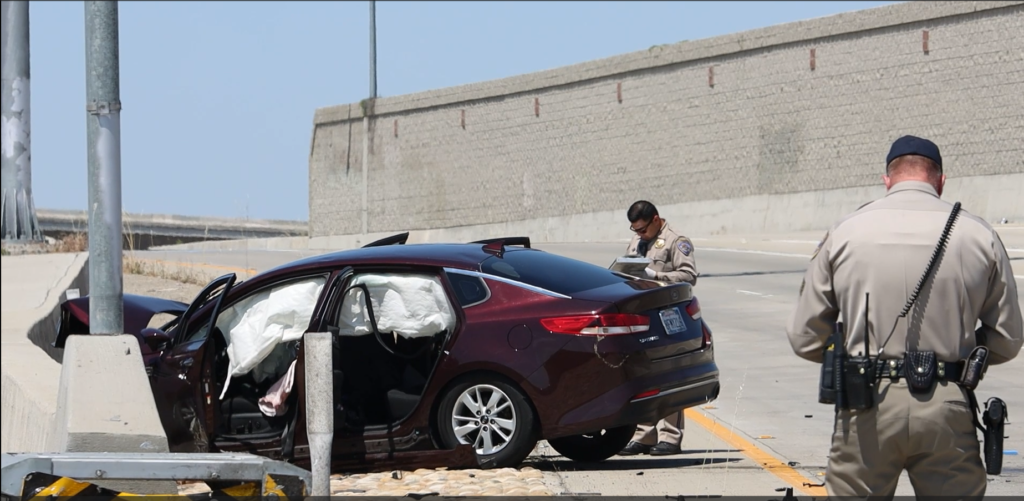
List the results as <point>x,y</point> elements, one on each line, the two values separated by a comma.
<point>694,380</point>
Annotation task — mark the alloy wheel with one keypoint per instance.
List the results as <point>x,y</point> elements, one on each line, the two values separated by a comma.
<point>485,418</point>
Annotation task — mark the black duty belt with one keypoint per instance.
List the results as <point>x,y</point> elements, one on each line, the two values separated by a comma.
<point>893,369</point>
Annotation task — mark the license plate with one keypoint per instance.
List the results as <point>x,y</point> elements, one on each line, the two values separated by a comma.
<point>672,321</point>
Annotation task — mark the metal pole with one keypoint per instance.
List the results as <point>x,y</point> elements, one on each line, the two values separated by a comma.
<point>366,118</point>
<point>373,49</point>
<point>17,208</point>
<point>319,377</point>
<point>103,95</point>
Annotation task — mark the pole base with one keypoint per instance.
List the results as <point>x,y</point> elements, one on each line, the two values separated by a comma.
<point>18,221</point>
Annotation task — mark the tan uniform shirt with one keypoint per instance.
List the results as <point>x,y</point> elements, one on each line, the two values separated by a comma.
<point>883,249</point>
<point>671,256</point>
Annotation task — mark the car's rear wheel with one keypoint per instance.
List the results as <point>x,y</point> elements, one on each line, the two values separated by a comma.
<point>492,416</point>
<point>594,447</point>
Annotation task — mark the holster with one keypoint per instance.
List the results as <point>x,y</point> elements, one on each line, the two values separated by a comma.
<point>919,369</point>
<point>993,418</point>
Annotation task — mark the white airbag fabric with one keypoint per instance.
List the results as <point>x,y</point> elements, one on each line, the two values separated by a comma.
<point>255,326</point>
<point>410,306</point>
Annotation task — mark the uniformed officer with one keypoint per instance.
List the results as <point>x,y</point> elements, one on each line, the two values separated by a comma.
<point>883,249</point>
<point>672,260</point>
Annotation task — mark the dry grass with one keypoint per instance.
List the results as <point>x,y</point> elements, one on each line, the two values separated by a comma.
<point>72,242</point>
<point>135,266</point>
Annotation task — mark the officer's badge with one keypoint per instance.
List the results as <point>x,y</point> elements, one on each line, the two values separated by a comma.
<point>684,247</point>
<point>659,244</point>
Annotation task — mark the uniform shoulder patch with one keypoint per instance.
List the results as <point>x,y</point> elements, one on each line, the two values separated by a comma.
<point>684,246</point>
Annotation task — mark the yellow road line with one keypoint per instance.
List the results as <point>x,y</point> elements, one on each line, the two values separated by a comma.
<point>249,271</point>
<point>764,459</point>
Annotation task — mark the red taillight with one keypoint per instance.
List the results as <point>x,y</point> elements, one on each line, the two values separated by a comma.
<point>597,325</point>
<point>706,342</point>
<point>645,394</point>
<point>693,309</point>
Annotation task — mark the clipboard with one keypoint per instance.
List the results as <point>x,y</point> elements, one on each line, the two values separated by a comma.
<point>631,265</point>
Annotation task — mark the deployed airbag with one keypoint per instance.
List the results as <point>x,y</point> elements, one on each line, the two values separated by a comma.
<point>255,327</point>
<point>407,305</point>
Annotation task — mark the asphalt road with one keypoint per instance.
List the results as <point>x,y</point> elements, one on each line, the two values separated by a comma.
<point>769,396</point>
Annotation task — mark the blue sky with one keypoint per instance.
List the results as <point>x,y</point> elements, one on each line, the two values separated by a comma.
<point>218,97</point>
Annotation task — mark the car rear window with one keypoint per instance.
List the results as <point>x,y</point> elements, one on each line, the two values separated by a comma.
<point>550,271</point>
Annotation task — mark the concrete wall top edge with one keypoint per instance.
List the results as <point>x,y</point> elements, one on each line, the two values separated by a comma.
<point>670,54</point>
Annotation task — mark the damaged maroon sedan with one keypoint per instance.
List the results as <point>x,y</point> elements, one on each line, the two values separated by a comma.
<point>462,355</point>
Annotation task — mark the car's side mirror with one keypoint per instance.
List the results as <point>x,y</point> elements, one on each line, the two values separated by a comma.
<point>156,339</point>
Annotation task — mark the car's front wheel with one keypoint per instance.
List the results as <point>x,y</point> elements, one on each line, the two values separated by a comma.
<point>492,416</point>
<point>594,447</point>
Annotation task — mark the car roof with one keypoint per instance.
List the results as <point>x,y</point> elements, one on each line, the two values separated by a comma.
<point>450,255</point>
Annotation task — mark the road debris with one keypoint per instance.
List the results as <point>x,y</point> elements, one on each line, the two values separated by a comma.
<point>526,481</point>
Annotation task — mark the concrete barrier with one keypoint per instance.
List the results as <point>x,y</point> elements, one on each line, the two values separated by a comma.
<point>272,243</point>
<point>92,396</point>
<point>33,286</point>
<point>105,404</point>
<point>991,197</point>
<point>716,222</point>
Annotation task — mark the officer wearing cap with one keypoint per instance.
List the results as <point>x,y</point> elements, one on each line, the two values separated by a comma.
<point>883,249</point>
<point>672,260</point>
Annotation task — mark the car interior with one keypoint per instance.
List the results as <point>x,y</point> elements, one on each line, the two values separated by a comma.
<point>384,352</point>
<point>386,348</point>
<point>256,340</point>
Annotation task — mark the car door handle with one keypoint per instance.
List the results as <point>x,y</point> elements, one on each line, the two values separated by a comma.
<point>186,363</point>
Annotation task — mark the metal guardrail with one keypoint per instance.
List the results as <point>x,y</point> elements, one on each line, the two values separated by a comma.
<point>27,475</point>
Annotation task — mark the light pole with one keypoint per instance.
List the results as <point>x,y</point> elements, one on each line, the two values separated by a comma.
<point>103,96</point>
<point>18,209</point>
<point>367,109</point>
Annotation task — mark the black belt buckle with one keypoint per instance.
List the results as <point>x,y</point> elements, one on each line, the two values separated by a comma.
<point>919,368</point>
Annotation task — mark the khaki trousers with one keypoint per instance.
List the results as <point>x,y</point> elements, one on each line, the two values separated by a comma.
<point>930,435</point>
<point>669,429</point>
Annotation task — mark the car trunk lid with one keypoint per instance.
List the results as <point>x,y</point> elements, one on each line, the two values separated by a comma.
<point>673,312</point>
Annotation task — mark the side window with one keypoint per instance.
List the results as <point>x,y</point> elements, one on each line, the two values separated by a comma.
<point>469,290</point>
<point>410,305</point>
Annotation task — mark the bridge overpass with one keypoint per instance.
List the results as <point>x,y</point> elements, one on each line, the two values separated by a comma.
<point>143,231</point>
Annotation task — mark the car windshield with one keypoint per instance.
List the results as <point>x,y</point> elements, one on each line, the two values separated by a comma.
<point>550,271</point>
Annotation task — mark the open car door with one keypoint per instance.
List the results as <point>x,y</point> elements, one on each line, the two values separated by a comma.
<point>183,374</point>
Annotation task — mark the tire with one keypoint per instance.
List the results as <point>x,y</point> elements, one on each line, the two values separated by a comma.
<point>516,414</point>
<point>593,447</point>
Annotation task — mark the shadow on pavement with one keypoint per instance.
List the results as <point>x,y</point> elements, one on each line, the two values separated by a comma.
<point>618,464</point>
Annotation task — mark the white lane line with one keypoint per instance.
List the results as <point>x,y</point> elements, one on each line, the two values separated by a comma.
<point>1014,249</point>
<point>748,251</point>
<point>1019,276</point>
<point>752,293</point>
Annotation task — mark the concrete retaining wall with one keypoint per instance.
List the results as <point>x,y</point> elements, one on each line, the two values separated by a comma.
<point>769,130</point>
<point>30,375</point>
